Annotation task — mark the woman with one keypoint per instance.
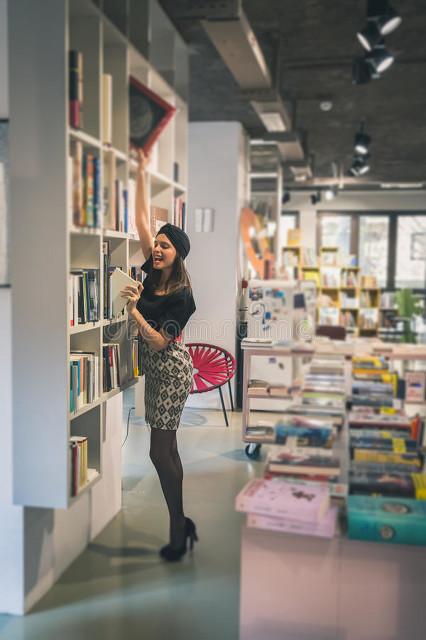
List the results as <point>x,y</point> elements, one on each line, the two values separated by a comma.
<point>161,308</point>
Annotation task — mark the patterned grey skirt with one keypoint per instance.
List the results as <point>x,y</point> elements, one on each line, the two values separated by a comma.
<point>168,381</point>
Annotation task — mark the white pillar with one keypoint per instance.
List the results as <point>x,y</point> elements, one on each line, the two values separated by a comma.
<point>217,180</point>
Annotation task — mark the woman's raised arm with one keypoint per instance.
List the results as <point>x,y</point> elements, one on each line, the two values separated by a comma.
<point>142,207</point>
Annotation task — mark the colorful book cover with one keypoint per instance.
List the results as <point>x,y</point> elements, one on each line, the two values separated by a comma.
<point>325,528</point>
<point>364,455</point>
<point>391,520</point>
<point>283,499</point>
<point>410,485</point>
<point>394,444</point>
<point>304,464</point>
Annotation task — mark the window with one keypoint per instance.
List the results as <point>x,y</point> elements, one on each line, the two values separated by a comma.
<point>335,231</point>
<point>373,246</point>
<point>411,252</point>
<point>388,245</point>
<point>288,221</point>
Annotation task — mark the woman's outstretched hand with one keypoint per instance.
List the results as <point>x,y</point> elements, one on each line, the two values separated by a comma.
<point>143,160</point>
<point>132,294</point>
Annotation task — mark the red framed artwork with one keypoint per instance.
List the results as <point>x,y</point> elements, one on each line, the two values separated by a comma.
<point>148,115</point>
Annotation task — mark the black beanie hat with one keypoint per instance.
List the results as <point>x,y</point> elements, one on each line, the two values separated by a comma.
<point>177,237</point>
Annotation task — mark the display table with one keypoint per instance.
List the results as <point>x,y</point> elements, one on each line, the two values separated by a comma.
<point>305,588</point>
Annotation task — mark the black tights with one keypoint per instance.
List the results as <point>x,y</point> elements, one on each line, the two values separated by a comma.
<point>165,457</point>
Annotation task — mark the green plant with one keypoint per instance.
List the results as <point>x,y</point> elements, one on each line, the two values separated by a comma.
<point>409,305</point>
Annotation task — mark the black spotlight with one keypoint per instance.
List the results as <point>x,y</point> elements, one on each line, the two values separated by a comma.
<point>360,166</point>
<point>361,71</point>
<point>316,197</point>
<point>369,36</point>
<point>362,141</point>
<point>384,15</point>
<point>286,197</point>
<point>379,58</point>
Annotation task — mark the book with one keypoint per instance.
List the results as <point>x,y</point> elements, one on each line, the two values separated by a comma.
<point>304,464</point>
<point>388,457</point>
<point>415,383</point>
<point>410,485</point>
<point>120,280</point>
<point>325,528</point>
<point>391,520</point>
<point>109,194</point>
<point>159,216</point>
<point>75,64</point>
<point>276,497</point>
<point>395,444</point>
<point>107,108</point>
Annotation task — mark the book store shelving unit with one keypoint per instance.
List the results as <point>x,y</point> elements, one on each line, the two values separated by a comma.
<point>47,244</point>
<point>345,296</point>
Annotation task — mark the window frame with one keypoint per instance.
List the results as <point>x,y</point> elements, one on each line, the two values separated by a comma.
<point>392,236</point>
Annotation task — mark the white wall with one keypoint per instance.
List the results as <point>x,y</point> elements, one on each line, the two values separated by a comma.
<point>217,179</point>
<point>351,201</point>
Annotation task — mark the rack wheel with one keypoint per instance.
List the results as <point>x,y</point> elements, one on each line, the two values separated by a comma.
<point>253,451</point>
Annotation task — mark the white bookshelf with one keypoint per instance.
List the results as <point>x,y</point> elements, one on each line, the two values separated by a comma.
<point>47,245</point>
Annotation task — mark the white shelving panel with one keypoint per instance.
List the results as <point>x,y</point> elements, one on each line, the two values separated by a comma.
<point>47,245</point>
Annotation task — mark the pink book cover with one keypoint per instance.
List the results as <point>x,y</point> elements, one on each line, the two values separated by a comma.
<point>280,498</point>
<point>326,528</point>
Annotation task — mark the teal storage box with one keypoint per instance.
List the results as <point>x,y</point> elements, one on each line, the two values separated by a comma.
<point>380,519</point>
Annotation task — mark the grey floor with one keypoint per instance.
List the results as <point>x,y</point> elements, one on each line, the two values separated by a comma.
<point>120,588</point>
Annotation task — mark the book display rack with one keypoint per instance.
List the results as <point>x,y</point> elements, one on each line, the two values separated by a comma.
<point>73,184</point>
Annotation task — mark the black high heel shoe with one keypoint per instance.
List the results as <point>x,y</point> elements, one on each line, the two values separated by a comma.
<point>173,555</point>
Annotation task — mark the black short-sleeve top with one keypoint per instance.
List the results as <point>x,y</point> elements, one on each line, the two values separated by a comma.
<point>169,312</point>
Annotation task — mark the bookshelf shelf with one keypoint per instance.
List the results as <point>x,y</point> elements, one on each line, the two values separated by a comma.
<point>120,155</point>
<point>110,394</point>
<point>85,231</point>
<point>85,138</point>
<point>42,122</point>
<point>84,409</point>
<point>110,233</point>
<point>88,326</point>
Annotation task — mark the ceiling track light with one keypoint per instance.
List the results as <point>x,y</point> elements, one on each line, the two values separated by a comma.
<point>384,15</point>
<point>316,197</point>
<point>360,166</point>
<point>379,58</point>
<point>369,36</point>
<point>362,141</point>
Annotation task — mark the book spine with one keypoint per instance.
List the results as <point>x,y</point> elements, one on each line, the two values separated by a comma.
<point>90,217</point>
<point>77,192</point>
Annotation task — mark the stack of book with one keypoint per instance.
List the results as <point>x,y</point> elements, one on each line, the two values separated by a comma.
<point>84,296</point>
<point>115,197</point>
<point>79,463</point>
<point>386,479</point>
<point>262,387</point>
<point>111,366</point>
<point>84,379</point>
<point>289,507</point>
<point>81,474</point>
<point>85,175</point>
<point>323,385</point>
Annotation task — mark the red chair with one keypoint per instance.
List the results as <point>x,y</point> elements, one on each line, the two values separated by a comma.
<point>213,367</point>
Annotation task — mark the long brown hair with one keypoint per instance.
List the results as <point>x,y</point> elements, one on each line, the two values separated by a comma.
<point>178,279</point>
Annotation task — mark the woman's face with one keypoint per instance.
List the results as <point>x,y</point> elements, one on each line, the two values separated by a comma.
<point>163,253</point>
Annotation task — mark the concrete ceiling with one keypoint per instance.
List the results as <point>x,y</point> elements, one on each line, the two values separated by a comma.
<point>317,45</point>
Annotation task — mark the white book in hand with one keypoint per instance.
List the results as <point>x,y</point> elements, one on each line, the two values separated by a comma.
<point>119,281</point>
